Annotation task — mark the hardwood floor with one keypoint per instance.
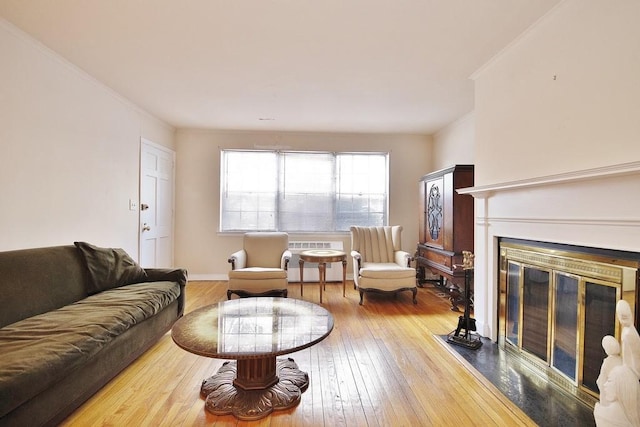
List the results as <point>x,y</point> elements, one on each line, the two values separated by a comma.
<point>381,366</point>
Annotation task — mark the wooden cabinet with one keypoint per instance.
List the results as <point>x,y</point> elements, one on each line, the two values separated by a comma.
<point>446,223</point>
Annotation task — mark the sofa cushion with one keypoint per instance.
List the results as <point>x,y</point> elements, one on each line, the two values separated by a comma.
<point>38,280</point>
<point>109,267</point>
<point>39,351</point>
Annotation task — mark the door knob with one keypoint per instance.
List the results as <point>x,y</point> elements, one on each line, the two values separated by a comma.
<point>144,207</point>
<point>145,227</point>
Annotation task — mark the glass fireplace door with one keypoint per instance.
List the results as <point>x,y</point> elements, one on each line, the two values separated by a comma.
<point>559,319</point>
<point>535,312</point>
<point>565,324</point>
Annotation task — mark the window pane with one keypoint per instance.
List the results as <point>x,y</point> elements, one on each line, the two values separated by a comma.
<point>249,190</point>
<point>307,191</point>
<point>362,190</point>
<point>302,191</point>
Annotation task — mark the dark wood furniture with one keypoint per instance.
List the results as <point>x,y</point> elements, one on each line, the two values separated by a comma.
<point>446,227</point>
<point>253,331</point>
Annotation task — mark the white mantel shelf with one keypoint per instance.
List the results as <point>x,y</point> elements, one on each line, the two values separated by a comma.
<point>485,191</point>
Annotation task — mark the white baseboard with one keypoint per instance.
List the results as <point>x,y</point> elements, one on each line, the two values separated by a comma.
<point>225,277</point>
<point>209,276</point>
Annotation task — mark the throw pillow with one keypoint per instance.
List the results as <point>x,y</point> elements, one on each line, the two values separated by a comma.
<point>109,267</point>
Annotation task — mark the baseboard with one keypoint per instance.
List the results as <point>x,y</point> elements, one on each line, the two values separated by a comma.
<point>217,277</point>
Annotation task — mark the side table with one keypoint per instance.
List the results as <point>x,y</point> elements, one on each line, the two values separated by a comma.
<point>322,257</point>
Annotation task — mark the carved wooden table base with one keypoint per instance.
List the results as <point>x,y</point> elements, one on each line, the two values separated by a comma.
<point>249,395</point>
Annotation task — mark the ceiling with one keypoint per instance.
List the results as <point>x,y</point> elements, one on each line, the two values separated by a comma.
<point>396,66</point>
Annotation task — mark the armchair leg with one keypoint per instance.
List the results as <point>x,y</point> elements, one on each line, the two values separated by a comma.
<point>361,297</point>
<point>415,293</point>
<point>229,294</point>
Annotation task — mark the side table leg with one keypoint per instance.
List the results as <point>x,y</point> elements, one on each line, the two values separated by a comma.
<point>301,263</point>
<point>344,276</point>
<point>322,269</point>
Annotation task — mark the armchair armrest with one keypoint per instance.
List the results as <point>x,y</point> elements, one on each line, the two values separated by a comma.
<point>357,260</point>
<point>238,259</point>
<point>284,261</point>
<point>403,258</point>
<point>357,263</point>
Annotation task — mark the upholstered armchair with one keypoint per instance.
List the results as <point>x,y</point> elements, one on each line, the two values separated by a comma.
<point>260,267</point>
<point>379,263</point>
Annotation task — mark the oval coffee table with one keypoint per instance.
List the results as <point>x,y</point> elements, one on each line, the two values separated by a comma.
<point>253,331</point>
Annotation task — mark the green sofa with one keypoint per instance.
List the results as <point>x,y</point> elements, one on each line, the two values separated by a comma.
<point>71,318</point>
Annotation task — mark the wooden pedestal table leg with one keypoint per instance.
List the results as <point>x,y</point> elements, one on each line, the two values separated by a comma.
<point>251,389</point>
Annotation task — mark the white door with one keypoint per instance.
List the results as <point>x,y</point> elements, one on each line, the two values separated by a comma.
<point>157,164</point>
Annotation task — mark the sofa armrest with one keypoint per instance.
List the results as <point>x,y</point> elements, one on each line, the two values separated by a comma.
<point>167,274</point>
<point>178,275</point>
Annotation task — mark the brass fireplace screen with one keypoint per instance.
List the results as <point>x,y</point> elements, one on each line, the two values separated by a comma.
<point>556,304</point>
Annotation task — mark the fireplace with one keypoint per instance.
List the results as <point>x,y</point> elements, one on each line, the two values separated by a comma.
<point>556,302</point>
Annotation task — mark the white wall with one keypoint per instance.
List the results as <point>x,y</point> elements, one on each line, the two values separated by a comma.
<point>204,251</point>
<point>563,97</point>
<point>70,151</point>
<point>558,138</point>
<point>455,144</point>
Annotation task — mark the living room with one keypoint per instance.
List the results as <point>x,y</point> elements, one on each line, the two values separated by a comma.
<point>553,135</point>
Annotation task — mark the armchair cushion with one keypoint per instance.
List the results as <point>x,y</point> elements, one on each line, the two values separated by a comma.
<point>386,270</point>
<point>258,273</point>
<point>265,249</point>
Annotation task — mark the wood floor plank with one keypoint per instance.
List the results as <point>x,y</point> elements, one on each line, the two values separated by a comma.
<point>381,366</point>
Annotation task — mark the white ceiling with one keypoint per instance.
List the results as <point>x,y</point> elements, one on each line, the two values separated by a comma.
<point>305,65</point>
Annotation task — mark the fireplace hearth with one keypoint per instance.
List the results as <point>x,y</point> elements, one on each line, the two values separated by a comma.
<point>556,302</point>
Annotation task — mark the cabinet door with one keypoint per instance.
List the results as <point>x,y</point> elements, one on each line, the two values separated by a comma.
<point>434,201</point>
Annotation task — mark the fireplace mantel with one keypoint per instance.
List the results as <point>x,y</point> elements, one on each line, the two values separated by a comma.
<point>596,207</point>
<point>484,191</point>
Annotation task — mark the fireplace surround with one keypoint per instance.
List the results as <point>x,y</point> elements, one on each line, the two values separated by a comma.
<point>595,208</point>
<point>556,302</point>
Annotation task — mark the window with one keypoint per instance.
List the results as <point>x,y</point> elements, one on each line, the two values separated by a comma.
<point>298,191</point>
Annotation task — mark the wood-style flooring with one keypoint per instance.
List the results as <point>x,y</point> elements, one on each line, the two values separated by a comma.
<point>381,366</point>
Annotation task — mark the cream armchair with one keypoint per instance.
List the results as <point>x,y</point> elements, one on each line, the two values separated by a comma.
<point>379,264</point>
<point>260,267</point>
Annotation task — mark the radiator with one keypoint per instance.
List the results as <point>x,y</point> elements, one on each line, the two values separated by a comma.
<point>334,269</point>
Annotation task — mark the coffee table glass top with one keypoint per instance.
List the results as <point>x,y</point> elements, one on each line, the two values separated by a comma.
<point>247,328</point>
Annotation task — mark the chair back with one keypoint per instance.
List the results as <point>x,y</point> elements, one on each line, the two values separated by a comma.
<point>376,244</point>
<point>265,248</point>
